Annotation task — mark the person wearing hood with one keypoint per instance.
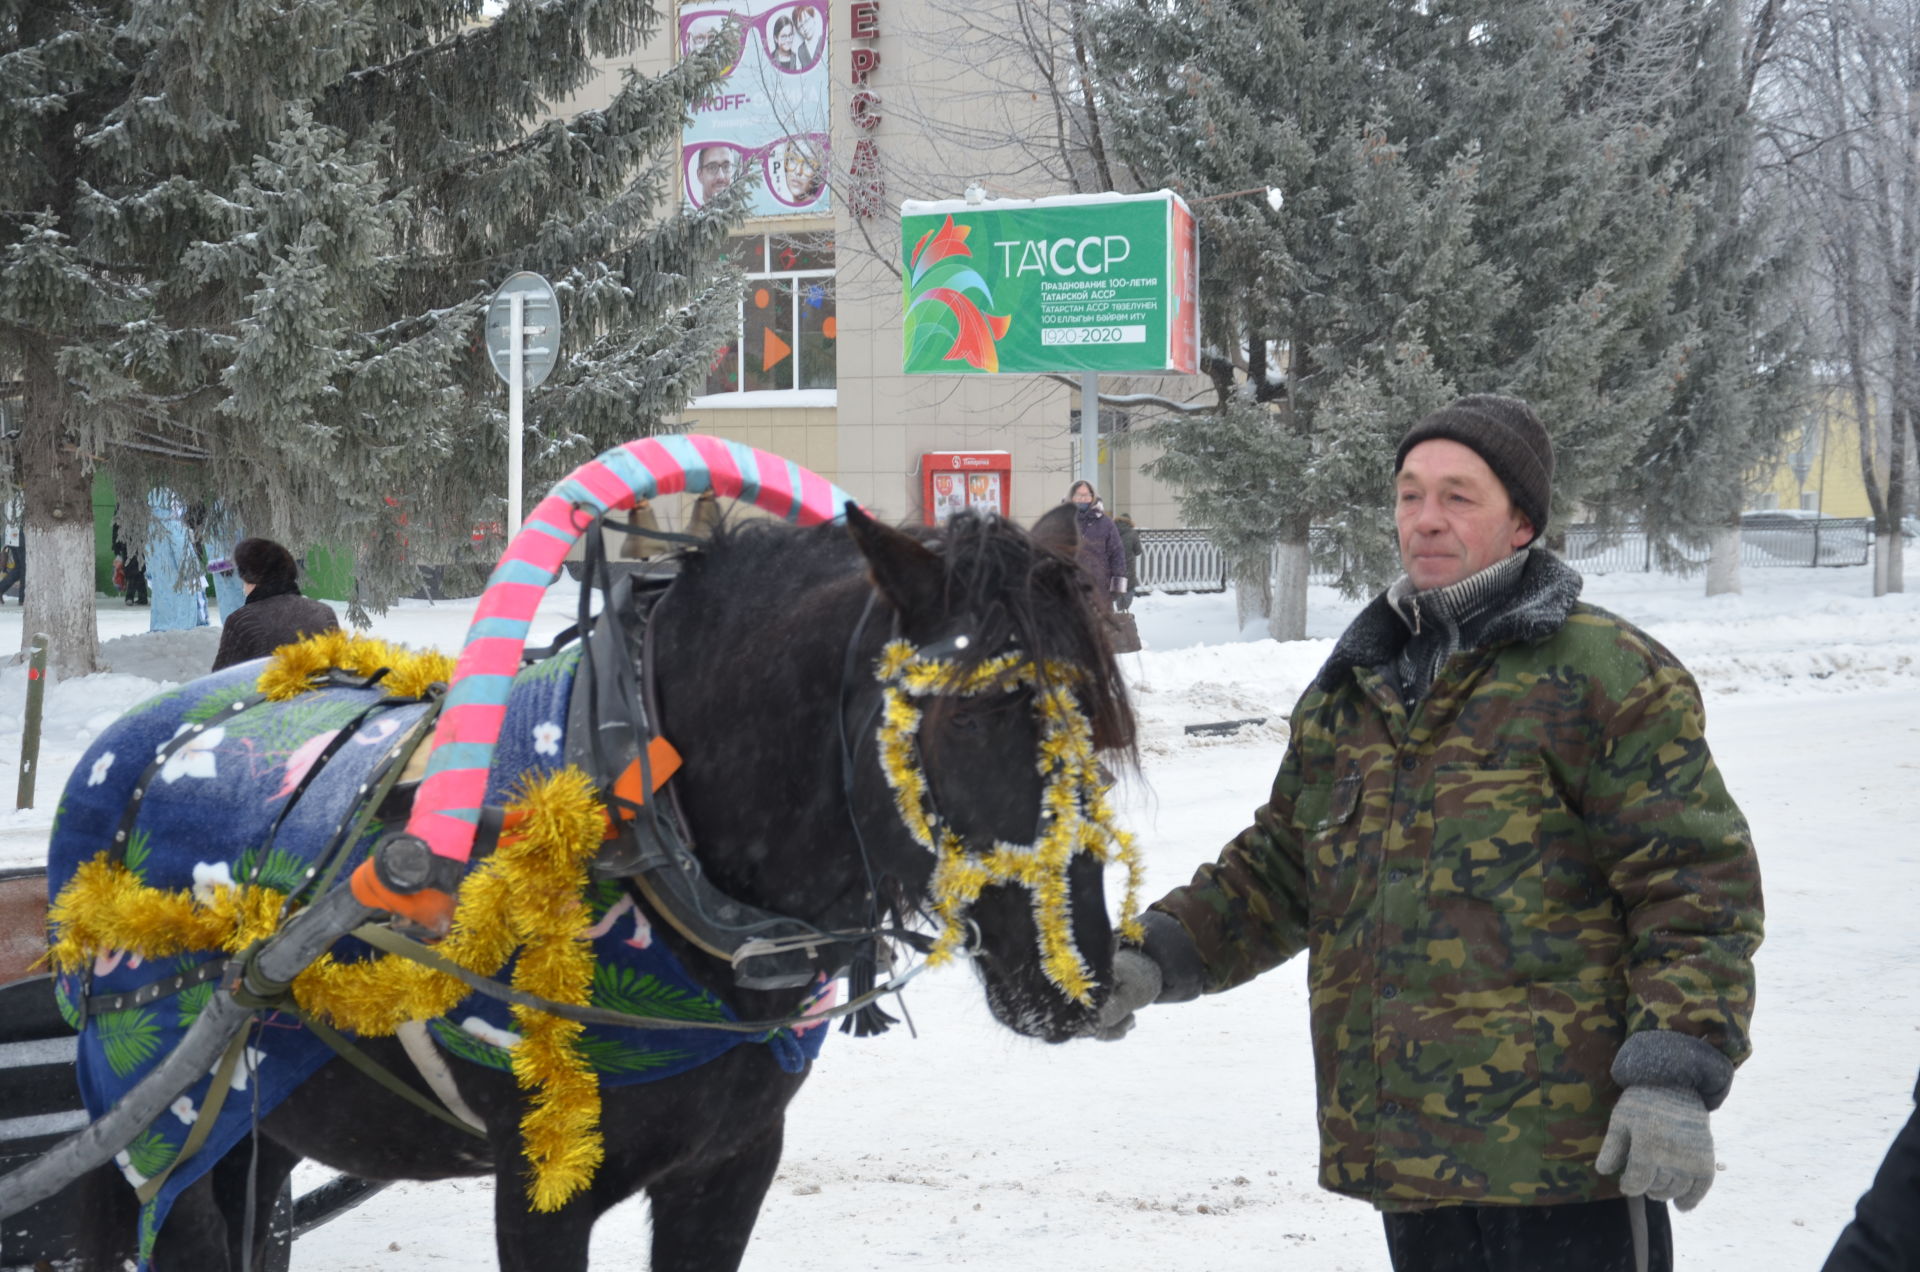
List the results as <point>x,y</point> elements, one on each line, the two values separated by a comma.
<point>1102,554</point>
<point>274,613</point>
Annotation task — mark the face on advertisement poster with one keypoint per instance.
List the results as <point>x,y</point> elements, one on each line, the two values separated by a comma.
<point>792,171</point>
<point>769,113</point>
<point>983,490</point>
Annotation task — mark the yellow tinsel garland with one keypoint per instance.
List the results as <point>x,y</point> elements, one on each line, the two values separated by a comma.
<point>1075,814</point>
<point>527,897</point>
<point>410,673</point>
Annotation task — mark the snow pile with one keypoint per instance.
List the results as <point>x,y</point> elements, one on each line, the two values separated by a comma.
<point>171,657</point>
<point>1792,631</point>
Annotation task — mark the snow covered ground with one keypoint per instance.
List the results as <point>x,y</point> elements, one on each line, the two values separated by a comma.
<point>1191,1145</point>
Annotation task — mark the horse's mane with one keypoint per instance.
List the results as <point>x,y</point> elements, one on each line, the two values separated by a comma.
<point>1018,594</point>
<point>1028,597</point>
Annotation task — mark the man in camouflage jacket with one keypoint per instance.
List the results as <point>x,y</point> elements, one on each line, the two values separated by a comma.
<point>1528,902</point>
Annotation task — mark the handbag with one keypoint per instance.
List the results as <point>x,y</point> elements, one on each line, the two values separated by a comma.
<point>1123,632</point>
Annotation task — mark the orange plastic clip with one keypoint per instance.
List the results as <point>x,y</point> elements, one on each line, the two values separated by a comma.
<point>663,760</point>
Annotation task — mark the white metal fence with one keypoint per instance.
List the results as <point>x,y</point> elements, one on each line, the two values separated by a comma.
<point>1188,561</point>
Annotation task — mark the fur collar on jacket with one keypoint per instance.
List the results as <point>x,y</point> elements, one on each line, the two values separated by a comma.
<point>1538,606</point>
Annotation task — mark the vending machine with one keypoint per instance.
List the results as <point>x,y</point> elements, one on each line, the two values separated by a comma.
<point>952,480</point>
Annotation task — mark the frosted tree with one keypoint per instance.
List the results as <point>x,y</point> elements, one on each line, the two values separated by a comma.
<point>1847,134</point>
<point>1569,108</point>
<point>1330,291</point>
<point>246,250</point>
<point>1472,197</point>
<point>1739,386</point>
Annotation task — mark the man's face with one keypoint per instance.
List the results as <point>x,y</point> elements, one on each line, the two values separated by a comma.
<point>809,23</point>
<point>1454,516</point>
<point>715,171</point>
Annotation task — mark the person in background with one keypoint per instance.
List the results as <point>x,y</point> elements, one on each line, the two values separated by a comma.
<point>275,613</point>
<point>1885,1233</point>
<point>1130,544</point>
<point>129,571</point>
<point>1102,555</point>
<point>15,574</point>
<point>808,22</point>
<point>1529,903</point>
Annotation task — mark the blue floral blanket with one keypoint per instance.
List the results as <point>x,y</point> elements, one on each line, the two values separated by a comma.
<point>234,790</point>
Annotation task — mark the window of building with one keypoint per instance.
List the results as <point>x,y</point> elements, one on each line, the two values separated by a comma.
<point>786,336</point>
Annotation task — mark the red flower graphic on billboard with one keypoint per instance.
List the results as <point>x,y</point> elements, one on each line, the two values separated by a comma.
<point>939,303</point>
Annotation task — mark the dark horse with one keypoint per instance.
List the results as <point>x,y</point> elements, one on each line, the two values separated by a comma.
<point>763,648</point>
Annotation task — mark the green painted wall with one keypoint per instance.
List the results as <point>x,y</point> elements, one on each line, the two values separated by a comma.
<point>103,505</point>
<point>329,574</point>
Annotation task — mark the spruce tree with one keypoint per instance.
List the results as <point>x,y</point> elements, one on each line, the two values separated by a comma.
<point>1568,107</point>
<point>249,246</point>
<point>1475,199</point>
<point>1737,394</point>
<point>1319,302</point>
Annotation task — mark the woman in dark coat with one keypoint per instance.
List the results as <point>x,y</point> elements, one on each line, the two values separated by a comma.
<point>1102,555</point>
<point>275,613</point>
<point>1885,1233</point>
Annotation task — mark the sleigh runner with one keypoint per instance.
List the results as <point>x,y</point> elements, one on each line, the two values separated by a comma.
<point>300,776</point>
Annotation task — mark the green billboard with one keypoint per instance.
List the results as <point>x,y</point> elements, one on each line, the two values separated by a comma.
<point>1077,283</point>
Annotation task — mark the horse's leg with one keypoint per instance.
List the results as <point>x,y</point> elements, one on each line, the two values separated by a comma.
<point>195,1233</point>
<point>703,1214</point>
<point>206,1227</point>
<point>230,1177</point>
<point>104,1218</point>
<point>530,1241</point>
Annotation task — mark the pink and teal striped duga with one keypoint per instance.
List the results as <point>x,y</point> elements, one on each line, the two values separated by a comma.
<point>446,810</point>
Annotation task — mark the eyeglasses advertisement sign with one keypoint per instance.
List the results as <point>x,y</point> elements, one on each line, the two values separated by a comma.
<point>1103,283</point>
<point>768,117</point>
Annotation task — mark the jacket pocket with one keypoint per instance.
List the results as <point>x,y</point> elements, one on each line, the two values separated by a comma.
<point>1342,798</point>
<point>1328,826</point>
<point>1486,838</point>
<point>1578,1027</point>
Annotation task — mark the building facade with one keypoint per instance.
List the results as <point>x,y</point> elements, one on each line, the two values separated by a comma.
<point>842,109</point>
<point>1818,468</point>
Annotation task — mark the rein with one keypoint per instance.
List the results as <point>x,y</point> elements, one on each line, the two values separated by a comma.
<point>387,940</point>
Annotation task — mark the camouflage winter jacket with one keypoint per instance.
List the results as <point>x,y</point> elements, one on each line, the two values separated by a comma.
<point>1494,894</point>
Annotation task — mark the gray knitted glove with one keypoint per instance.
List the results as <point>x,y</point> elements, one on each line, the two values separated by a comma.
<point>1660,1135</point>
<point>1136,982</point>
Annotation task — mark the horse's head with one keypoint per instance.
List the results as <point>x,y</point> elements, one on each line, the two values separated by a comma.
<point>999,688</point>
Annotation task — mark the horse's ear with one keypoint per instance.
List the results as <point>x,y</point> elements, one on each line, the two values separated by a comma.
<point>911,577</point>
<point>1058,531</point>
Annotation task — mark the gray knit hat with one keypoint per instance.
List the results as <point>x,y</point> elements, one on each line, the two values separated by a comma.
<point>1507,434</point>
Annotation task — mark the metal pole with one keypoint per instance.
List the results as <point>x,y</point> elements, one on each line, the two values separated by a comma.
<point>516,390</point>
<point>1090,428</point>
<point>30,738</point>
